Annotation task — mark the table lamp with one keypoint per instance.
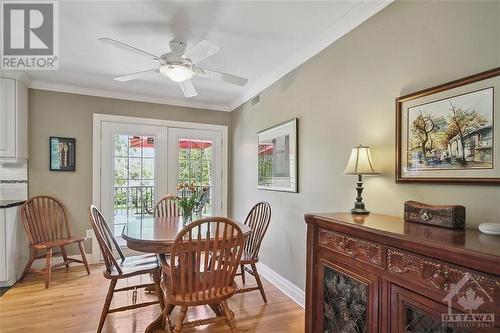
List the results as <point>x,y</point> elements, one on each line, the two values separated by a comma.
<point>360,163</point>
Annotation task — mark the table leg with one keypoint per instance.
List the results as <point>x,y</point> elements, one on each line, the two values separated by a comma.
<point>156,287</point>
<point>155,326</point>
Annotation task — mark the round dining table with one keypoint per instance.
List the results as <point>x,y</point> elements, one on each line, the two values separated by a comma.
<point>157,235</point>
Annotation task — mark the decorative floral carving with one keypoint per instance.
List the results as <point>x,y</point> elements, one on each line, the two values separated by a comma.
<point>354,247</point>
<point>375,254</point>
<point>397,264</point>
<point>432,273</point>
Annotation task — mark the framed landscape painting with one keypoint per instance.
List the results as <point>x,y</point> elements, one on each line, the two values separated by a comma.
<point>277,158</point>
<point>62,154</point>
<point>449,133</point>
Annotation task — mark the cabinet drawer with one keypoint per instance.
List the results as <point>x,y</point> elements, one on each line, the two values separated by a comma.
<point>357,248</point>
<point>437,275</point>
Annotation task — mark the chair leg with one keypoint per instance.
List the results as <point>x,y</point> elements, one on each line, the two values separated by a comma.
<point>65,256</point>
<point>180,319</point>
<point>167,311</point>
<point>84,257</point>
<point>242,267</point>
<point>229,316</point>
<point>259,282</point>
<point>28,265</point>
<point>48,268</point>
<point>107,303</point>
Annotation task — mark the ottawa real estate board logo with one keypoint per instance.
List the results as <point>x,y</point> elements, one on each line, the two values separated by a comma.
<point>470,296</point>
<point>30,35</point>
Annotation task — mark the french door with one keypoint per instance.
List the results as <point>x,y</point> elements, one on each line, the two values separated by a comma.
<point>195,158</point>
<point>132,176</point>
<point>139,163</point>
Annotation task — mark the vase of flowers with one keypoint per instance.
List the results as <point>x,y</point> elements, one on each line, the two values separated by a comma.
<point>190,199</point>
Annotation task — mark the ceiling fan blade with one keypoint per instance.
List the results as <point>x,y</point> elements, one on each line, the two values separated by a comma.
<point>201,50</point>
<point>127,47</point>
<point>219,76</point>
<point>137,75</point>
<point>188,88</point>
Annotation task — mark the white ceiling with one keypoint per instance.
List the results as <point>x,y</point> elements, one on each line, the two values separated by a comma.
<point>260,40</point>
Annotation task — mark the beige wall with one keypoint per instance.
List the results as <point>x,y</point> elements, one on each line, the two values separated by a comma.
<point>345,96</point>
<point>70,115</point>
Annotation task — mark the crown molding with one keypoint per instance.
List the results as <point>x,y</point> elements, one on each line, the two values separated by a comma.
<point>75,89</point>
<point>357,15</point>
<point>17,75</point>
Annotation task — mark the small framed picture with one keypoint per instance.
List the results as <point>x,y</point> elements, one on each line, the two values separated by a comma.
<point>277,158</point>
<point>449,134</point>
<point>62,154</point>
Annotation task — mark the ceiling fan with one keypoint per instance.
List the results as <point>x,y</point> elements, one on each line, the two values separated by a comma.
<point>179,65</point>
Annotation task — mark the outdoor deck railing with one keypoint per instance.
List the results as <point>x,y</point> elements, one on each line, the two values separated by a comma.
<point>134,199</point>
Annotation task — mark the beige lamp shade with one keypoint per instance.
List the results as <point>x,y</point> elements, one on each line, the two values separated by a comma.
<point>360,162</point>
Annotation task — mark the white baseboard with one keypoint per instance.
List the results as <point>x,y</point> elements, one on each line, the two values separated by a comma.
<point>40,263</point>
<point>295,293</point>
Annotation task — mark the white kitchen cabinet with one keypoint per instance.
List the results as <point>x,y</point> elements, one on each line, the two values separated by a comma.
<point>11,244</point>
<point>13,120</point>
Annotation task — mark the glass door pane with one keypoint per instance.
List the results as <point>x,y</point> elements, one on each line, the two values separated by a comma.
<point>345,303</point>
<point>419,321</point>
<point>133,173</point>
<point>195,159</point>
<point>195,168</point>
<point>134,179</point>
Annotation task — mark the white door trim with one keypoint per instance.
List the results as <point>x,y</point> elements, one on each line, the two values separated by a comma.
<point>99,118</point>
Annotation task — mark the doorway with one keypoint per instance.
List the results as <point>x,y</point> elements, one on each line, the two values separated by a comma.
<point>137,161</point>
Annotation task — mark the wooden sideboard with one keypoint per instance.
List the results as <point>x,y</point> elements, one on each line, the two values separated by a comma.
<point>378,273</point>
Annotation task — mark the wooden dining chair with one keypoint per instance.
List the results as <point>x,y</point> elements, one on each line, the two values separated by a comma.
<point>166,207</point>
<point>191,279</point>
<point>258,220</point>
<point>46,222</point>
<point>122,268</point>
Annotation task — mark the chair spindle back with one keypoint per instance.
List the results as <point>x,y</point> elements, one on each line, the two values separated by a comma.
<point>204,259</point>
<point>166,207</point>
<point>105,239</point>
<point>45,218</point>
<point>258,220</point>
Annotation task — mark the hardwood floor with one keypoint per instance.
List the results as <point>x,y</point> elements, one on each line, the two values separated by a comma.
<point>74,302</point>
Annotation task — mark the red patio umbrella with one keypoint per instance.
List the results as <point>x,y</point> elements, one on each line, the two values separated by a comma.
<point>194,144</point>
<point>266,149</point>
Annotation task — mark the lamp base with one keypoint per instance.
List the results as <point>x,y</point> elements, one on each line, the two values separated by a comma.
<point>360,211</point>
<point>359,205</point>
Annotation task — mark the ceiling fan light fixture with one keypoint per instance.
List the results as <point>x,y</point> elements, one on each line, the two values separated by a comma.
<point>177,73</point>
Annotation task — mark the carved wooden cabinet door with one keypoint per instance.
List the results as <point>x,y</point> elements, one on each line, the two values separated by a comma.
<point>346,299</point>
<point>413,313</point>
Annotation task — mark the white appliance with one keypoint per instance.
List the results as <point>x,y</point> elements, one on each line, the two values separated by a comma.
<point>12,241</point>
